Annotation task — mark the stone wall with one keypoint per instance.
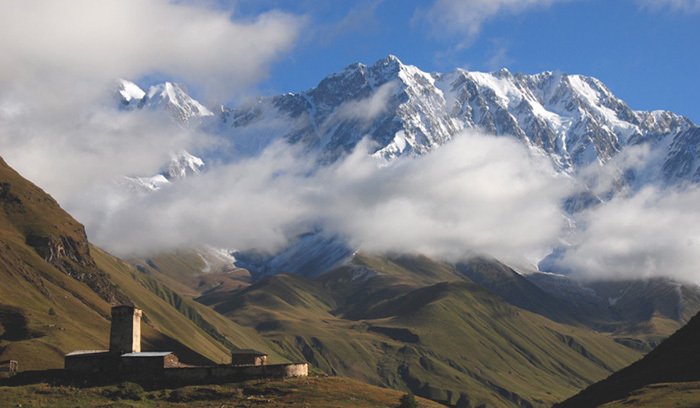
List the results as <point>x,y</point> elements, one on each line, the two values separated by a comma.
<point>156,378</point>
<point>220,374</point>
<point>149,365</point>
<point>92,363</point>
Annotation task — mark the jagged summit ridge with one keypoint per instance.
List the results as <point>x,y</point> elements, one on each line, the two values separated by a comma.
<point>403,111</point>
<point>168,96</point>
<point>574,119</point>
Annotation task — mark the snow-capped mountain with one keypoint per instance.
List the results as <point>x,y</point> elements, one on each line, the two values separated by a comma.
<point>683,160</point>
<point>184,109</point>
<point>180,166</point>
<point>574,119</point>
<point>167,96</point>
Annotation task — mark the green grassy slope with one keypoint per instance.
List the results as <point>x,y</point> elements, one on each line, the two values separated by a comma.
<point>639,313</point>
<point>676,359</point>
<point>412,323</point>
<point>57,290</point>
<point>192,272</point>
<point>678,395</point>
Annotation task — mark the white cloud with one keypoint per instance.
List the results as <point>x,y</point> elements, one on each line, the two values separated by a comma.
<point>59,125</point>
<point>604,179</point>
<point>68,153</point>
<point>253,203</point>
<point>466,17</point>
<point>650,234</point>
<point>368,108</point>
<point>62,44</point>
<point>689,6</point>
<point>477,194</point>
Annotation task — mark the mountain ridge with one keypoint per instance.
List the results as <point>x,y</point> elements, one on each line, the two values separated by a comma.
<point>574,119</point>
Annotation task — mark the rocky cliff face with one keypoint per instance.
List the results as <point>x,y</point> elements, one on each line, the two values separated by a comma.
<point>31,215</point>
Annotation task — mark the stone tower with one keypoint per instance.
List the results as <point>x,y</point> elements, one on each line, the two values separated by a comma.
<point>125,334</point>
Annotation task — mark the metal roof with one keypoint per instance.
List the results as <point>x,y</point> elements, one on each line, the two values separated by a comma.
<point>85,352</point>
<point>148,354</point>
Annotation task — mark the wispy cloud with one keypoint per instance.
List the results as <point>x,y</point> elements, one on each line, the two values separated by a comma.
<point>465,18</point>
<point>477,194</point>
<point>498,58</point>
<point>688,6</point>
<point>368,108</point>
<point>652,233</point>
<point>361,17</point>
<point>84,41</point>
<point>59,123</point>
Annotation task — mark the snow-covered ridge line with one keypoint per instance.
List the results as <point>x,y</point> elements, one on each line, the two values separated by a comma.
<point>574,119</point>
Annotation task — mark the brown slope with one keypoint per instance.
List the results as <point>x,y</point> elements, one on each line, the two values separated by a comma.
<point>56,290</point>
<point>675,360</point>
<point>31,217</point>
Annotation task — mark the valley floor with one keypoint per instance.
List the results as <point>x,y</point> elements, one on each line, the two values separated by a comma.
<point>330,392</point>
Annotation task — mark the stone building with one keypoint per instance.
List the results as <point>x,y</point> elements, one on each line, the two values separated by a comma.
<point>124,347</point>
<point>91,361</point>
<point>125,360</point>
<point>243,357</point>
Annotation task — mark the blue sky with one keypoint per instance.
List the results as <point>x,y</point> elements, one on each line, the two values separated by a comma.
<point>645,51</point>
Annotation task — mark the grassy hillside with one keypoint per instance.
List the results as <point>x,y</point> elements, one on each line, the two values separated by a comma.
<point>412,323</point>
<point>312,392</point>
<point>639,313</point>
<point>676,359</point>
<point>191,272</point>
<point>57,291</point>
<point>679,395</point>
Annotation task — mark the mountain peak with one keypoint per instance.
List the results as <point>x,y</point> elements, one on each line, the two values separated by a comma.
<point>129,91</point>
<point>167,95</point>
<point>390,59</point>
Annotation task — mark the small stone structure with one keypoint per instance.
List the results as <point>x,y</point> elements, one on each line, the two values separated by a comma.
<point>8,368</point>
<point>125,360</point>
<point>244,357</point>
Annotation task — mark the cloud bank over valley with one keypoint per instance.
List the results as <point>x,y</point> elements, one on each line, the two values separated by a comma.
<point>62,127</point>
